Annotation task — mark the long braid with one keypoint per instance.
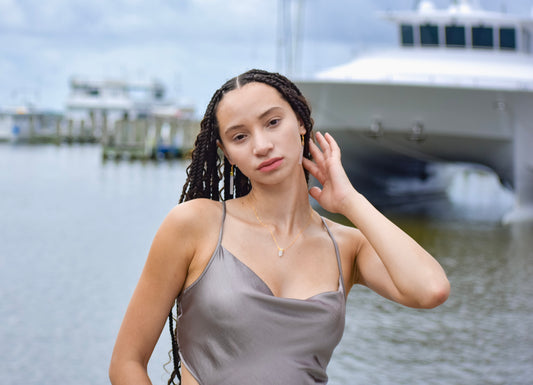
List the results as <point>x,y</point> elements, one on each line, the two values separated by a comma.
<point>176,373</point>
<point>204,171</point>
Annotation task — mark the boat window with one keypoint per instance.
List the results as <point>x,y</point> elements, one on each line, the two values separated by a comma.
<point>94,91</point>
<point>507,38</point>
<point>482,37</point>
<point>455,36</point>
<point>407,35</point>
<point>429,34</point>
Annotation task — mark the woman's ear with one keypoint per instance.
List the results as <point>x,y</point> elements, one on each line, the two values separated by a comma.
<point>301,127</point>
<point>221,146</point>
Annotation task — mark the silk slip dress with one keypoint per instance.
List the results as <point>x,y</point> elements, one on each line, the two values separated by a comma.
<point>233,330</point>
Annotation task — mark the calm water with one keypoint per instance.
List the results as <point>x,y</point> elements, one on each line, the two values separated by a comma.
<point>74,234</point>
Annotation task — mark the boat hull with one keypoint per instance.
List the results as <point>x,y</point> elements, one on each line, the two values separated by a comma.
<point>392,131</point>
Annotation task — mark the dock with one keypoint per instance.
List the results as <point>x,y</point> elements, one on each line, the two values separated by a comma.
<point>129,119</point>
<point>155,138</point>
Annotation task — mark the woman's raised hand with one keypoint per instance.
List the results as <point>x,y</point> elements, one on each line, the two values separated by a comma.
<point>327,168</point>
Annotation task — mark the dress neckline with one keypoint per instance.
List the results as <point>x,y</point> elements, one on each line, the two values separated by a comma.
<point>271,293</point>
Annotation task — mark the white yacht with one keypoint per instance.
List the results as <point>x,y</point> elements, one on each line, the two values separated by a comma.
<point>459,88</point>
<point>112,99</point>
<point>130,114</point>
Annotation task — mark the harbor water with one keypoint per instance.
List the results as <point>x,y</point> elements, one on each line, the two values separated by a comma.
<point>75,232</point>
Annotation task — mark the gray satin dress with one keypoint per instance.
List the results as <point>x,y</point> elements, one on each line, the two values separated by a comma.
<point>233,330</point>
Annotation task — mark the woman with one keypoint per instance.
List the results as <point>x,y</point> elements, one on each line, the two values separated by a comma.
<point>261,279</point>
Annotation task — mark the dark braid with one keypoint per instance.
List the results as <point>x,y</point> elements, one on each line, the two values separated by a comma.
<point>203,173</point>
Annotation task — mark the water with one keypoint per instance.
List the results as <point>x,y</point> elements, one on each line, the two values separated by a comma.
<point>74,235</point>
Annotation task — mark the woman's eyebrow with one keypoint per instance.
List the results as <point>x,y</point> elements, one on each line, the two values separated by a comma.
<point>271,109</point>
<point>233,128</point>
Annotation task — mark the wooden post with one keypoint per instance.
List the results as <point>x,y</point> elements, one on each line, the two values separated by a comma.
<point>104,127</point>
<point>32,127</point>
<point>69,129</point>
<point>82,130</point>
<point>57,139</point>
<point>90,133</point>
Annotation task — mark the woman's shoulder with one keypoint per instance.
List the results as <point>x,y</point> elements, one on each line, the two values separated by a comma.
<point>337,227</point>
<point>197,205</point>
<point>196,214</point>
<point>345,235</point>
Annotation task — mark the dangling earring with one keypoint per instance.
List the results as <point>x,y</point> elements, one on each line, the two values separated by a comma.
<point>231,173</point>
<point>300,160</point>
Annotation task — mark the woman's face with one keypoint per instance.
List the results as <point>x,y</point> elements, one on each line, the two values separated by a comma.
<point>260,132</point>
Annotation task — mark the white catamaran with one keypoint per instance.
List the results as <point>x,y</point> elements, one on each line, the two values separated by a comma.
<point>459,88</point>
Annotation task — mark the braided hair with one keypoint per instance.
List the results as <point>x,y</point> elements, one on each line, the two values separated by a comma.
<point>204,171</point>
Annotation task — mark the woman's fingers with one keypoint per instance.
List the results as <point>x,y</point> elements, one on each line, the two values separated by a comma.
<point>328,146</point>
<point>317,165</point>
<point>315,192</point>
<point>324,145</point>
<point>334,147</point>
<point>313,170</point>
<point>317,155</point>
<point>320,155</point>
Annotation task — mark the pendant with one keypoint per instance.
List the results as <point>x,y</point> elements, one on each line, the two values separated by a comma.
<point>280,253</point>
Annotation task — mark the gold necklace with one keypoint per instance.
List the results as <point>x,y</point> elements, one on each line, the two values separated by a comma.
<point>281,250</point>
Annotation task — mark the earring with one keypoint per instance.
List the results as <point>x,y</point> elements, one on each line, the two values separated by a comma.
<point>300,159</point>
<point>231,173</point>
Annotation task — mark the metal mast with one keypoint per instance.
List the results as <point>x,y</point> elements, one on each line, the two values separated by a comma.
<point>290,25</point>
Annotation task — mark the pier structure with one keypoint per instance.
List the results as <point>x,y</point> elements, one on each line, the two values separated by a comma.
<point>30,125</point>
<point>157,137</point>
<point>132,119</point>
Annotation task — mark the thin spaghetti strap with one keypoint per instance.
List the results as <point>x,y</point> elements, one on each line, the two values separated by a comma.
<point>336,253</point>
<point>219,244</point>
<point>222,224</point>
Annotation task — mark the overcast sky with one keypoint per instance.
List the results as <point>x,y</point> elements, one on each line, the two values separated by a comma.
<point>192,46</point>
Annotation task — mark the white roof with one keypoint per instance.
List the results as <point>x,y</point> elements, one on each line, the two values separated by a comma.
<point>461,11</point>
<point>76,82</point>
<point>439,67</point>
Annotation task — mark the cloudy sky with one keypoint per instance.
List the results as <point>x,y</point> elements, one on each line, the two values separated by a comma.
<point>192,46</point>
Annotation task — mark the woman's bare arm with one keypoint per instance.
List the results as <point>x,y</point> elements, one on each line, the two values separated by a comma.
<point>162,279</point>
<point>388,260</point>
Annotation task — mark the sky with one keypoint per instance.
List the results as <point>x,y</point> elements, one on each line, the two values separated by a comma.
<point>191,46</point>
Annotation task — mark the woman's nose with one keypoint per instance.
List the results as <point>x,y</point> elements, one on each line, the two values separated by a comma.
<point>262,144</point>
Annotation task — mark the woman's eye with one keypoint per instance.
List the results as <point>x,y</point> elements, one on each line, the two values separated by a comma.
<point>274,122</point>
<point>238,137</point>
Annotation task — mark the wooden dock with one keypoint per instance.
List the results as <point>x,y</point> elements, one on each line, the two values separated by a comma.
<point>153,138</point>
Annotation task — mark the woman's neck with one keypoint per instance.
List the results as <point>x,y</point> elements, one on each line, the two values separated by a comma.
<point>284,207</point>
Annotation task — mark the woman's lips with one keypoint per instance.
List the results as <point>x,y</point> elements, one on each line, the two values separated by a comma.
<point>270,164</point>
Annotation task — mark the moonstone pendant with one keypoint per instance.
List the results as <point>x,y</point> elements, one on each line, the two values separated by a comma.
<point>280,253</point>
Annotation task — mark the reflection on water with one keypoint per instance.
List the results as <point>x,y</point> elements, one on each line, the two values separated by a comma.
<point>481,335</point>
<point>74,235</point>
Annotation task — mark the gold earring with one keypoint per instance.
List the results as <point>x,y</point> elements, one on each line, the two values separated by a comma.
<point>231,173</point>
<point>300,159</point>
